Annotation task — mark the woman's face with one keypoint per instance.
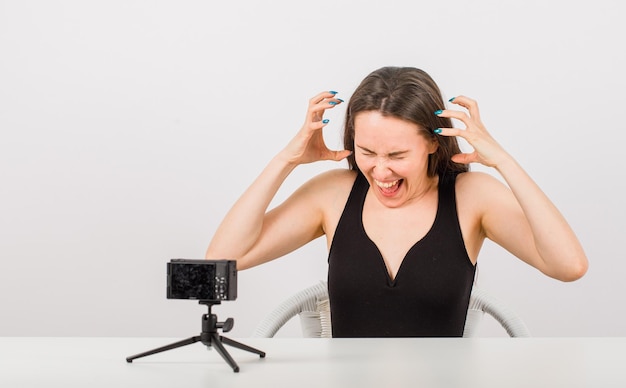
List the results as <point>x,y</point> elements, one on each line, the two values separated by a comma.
<point>392,153</point>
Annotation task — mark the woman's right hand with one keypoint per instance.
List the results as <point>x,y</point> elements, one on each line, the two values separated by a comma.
<point>308,145</point>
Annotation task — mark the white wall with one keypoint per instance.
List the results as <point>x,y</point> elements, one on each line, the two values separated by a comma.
<point>128,128</point>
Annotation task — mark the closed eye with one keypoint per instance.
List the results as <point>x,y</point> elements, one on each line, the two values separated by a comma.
<point>366,152</point>
<point>398,155</point>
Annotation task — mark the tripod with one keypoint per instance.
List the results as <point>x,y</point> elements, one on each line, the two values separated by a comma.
<point>209,337</point>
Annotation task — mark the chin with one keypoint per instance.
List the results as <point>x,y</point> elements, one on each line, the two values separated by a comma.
<point>390,202</point>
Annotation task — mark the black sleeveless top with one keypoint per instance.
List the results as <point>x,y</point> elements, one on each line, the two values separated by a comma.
<point>430,294</point>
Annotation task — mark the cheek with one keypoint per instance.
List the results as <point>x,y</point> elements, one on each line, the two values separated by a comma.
<point>362,162</point>
<point>404,168</point>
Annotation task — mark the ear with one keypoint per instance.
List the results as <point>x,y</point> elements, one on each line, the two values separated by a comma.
<point>433,145</point>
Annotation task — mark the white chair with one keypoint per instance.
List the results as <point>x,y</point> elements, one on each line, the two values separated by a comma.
<point>311,304</point>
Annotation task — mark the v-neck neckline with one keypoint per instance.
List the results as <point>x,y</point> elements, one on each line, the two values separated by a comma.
<point>391,282</point>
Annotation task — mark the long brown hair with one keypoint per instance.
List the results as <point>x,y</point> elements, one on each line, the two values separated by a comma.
<point>409,94</point>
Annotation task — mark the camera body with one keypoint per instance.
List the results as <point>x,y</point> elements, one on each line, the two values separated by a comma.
<point>211,280</point>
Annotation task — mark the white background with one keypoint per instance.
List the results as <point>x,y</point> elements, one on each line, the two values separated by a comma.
<point>128,128</point>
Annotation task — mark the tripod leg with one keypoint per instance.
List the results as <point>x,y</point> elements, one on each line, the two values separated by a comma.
<point>178,344</point>
<point>217,343</point>
<point>241,346</point>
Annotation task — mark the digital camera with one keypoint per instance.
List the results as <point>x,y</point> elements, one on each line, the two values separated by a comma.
<point>211,280</point>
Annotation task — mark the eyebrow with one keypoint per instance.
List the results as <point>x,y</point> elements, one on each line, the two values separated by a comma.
<point>395,153</point>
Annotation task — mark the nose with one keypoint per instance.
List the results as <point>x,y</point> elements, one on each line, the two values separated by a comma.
<point>381,165</point>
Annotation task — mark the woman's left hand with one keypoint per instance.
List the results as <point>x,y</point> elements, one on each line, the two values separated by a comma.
<point>486,150</point>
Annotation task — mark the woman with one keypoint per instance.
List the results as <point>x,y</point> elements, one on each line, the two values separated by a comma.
<point>405,224</point>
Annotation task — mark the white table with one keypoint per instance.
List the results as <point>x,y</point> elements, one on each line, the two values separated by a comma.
<point>323,363</point>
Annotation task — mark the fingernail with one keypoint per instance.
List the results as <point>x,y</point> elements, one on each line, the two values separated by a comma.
<point>452,99</point>
<point>333,92</point>
<point>437,131</point>
<point>340,100</point>
<point>438,112</point>
<point>325,121</point>
<point>332,103</point>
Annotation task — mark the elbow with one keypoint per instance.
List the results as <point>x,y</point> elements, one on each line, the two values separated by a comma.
<point>578,272</point>
<point>574,271</point>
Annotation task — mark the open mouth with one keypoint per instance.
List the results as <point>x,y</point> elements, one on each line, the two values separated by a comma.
<point>389,188</point>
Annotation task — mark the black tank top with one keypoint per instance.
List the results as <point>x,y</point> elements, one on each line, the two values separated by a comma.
<point>430,294</point>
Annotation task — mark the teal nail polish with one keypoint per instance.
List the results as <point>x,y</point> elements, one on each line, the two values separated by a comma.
<point>438,112</point>
<point>325,121</point>
<point>332,103</point>
<point>333,92</point>
<point>437,131</point>
<point>452,99</point>
<point>340,100</point>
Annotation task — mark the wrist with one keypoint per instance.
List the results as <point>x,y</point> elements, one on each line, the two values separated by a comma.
<point>283,163</point>
<point>505,163</point>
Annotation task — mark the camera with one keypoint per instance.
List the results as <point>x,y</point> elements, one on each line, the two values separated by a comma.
<point>211,280</point>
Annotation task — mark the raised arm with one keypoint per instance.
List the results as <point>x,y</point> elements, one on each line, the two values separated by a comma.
<point>251,235</point>
<point>521,219</point>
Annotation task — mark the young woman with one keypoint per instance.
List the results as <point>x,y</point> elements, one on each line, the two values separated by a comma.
<point>405,223</point>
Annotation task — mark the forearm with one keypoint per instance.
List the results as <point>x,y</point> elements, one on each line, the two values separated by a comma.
<point>241,227</point>
<point>529,225</point>
<point>555,241</point>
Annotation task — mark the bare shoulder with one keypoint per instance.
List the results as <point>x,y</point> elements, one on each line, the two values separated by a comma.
<point>331,182</point>
<point>325,187</point>
<point>329,191</point>
<point>480,193</point>
<point>473,184</point>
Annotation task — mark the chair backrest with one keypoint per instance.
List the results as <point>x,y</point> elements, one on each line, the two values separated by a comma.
<point>311,304</point>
